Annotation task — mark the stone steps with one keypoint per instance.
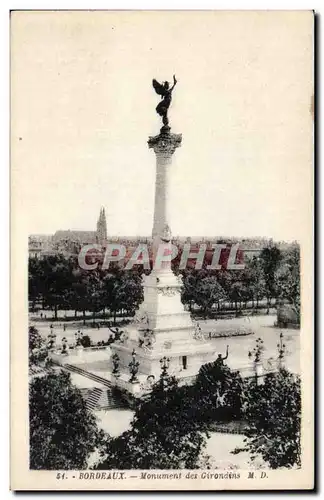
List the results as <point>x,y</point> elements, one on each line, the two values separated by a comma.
<point>98,398</point>
<point>91,376</point>
<point>103,399</point>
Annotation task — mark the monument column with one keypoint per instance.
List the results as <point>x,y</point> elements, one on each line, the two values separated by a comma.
<point>162,328</point>
<point>164,145</point>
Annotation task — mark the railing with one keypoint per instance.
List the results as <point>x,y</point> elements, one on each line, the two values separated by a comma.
<point>228,428</point>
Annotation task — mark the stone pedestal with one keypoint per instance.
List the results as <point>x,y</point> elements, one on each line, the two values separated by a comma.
<point>162,327</point>
<point>259,372</point>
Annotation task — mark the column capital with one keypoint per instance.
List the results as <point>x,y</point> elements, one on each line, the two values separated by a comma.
<point>165,143</point>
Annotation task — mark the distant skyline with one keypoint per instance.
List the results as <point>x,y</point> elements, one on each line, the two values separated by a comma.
<point>83,107</point>
<point>194,236</point>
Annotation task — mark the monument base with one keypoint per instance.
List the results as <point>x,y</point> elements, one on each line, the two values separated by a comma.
<point>162,330</point>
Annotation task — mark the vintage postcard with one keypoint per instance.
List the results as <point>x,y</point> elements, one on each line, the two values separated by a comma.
<point>162,250</point>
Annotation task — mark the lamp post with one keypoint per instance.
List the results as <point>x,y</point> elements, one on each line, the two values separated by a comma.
<point>281,350</point>
<point>115,361</point>
<point>51,340</point>
<point>258,350</point>
<point>64,345</point>
<point>258,368</point>
<point>165,363</point>
<point>133,368</point>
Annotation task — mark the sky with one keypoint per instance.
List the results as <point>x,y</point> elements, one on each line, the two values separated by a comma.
<point>83,106</point>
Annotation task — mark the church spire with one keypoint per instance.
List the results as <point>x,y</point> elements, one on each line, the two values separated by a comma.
<point>102,227</point>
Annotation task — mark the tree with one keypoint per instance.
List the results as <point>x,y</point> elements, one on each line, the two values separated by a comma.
<point>79,293</point>
<point>36,347</point>
<point>164,433</point>
<point>273,410</point>
<point>189,282</point>
<point>34,338</point>
<point>236,294</point>
<point>34,288</point>
<point>56,280</point>
<point>85,341</point>
<point>63,432</point>
<point>129,291</point>
<point>122,290</point>
<point>255,280</point>
<point>288,278</point>
<point>208,293</point>
<point>270,259</point>
<point>218,392</point>
<point>94,288</point>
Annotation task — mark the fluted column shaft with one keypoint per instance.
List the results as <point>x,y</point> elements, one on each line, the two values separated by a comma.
<point>164,146</point>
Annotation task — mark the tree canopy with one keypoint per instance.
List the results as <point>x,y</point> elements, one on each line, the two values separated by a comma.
<point>163,434</point>
<point>63,432</point>
<point>273,410</point>
<point>59,283</point>
<point>170,428</point>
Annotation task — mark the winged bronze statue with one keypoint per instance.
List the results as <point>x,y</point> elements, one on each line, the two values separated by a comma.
<point>165,91</point>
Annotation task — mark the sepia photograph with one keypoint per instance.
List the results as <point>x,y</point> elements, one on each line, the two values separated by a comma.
<point>162,250</point>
